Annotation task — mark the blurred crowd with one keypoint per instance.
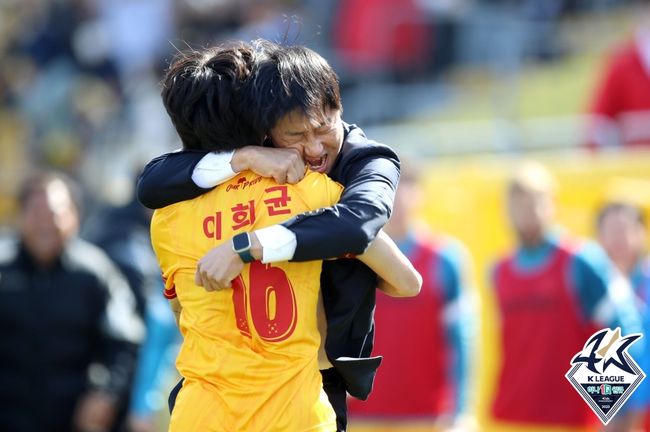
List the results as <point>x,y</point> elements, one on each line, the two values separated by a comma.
<point>79,78</point>
<point>79,92</point>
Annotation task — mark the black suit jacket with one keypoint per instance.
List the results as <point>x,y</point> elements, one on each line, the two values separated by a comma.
<point>370,173</point>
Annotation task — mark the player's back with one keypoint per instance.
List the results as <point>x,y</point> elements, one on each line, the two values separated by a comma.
<point>251,351</point>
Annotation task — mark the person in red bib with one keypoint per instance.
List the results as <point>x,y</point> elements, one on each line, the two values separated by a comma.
<point>553,292</point>
<point>426,341</point>
<point>621,230</point>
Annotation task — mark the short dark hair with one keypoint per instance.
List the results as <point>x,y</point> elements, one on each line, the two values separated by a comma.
<point>39,180</point>
<point>286,78</point>
<point>634,212</point>
<point>201,95</point>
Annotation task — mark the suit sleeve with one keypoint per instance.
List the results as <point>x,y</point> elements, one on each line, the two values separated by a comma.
<point>370,181</point>
<point>167,179</point>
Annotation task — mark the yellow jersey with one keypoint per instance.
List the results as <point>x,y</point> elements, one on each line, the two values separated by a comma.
<point>249,354</point>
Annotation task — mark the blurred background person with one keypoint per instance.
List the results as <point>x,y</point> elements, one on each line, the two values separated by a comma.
<point>427,341</point>
<point>67,320</point>
<point>622,232</point>
<point>620,109</point>
<point>553,293</point>
<point>122,231</point>
<point>484,83</point>
<point>385,38</point>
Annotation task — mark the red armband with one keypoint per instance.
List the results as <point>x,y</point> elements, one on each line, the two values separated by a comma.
<point>170,293</point>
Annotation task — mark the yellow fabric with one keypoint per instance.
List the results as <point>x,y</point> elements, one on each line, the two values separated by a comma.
<point>252,367</point>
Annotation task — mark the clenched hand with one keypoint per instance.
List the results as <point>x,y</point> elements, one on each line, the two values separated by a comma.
<point>216,270</point>
<point>284,165</point>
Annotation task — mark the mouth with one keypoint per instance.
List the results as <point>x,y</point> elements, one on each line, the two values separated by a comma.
<point>318,164</point>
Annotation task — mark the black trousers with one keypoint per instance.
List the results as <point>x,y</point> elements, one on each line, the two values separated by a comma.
<point>332,384</point>
<point>173,394</point>
<point>335,388</point>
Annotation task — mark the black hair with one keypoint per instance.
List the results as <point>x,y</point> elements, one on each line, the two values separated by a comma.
<point>634,212</point>
<point>39,180</point>
<point>201,95</point>
<point>286,78</point>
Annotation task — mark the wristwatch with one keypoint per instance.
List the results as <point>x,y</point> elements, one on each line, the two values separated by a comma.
<point>241,244</point>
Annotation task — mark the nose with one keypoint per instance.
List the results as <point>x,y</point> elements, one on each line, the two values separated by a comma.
<point>47,220</point>
<point>313,147</point>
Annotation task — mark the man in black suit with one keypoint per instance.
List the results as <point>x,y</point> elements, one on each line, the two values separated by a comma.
<point>317,137</point>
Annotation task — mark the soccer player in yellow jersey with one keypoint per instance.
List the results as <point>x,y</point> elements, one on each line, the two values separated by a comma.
<point>249,356</point>
<point>293,98</point>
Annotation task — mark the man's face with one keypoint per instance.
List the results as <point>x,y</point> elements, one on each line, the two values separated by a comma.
<point>49,218</point>
<point>407,201</point>
<point>318,140</point>
<point>530,213</point>
<point>622,237</point>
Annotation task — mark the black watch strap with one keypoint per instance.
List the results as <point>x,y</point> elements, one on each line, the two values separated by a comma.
<point>241,244</point>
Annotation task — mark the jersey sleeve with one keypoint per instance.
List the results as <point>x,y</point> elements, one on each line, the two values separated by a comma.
<point>605,297</point>
<point>167,179</point>
<point>161,241</point>
<point>329,191</point>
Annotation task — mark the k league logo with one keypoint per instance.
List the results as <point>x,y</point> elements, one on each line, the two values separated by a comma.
<point>604,373</point>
